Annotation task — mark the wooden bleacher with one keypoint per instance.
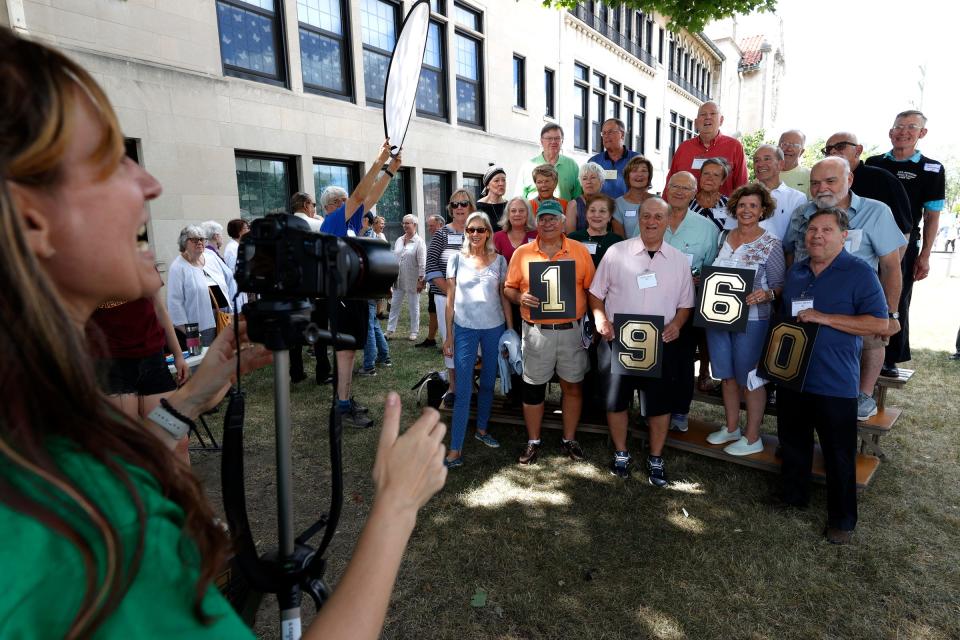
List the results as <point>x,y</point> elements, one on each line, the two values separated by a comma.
<point>694,440</point>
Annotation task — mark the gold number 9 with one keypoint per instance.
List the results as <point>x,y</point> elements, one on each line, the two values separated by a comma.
<point>641,338</point>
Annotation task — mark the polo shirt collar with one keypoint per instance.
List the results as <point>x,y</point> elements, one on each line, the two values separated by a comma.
<point>606,156</point>
<point>715,140</point>
<point>564,245</point>
<point>842,262</point>
<point>914,158</point>
<point>643,248</point>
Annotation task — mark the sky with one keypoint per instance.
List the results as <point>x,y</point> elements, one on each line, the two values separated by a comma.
<point>853,64</point>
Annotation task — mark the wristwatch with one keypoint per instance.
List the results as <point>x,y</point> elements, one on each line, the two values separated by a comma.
<point>773,294</point>
<point>171,420</point>
<point>895,315</point>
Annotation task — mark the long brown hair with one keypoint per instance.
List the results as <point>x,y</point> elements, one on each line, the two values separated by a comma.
<point>50,397</point>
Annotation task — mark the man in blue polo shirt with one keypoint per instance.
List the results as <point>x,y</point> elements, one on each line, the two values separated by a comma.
<point>873,237</point>
<point>842,294</point>
<point>614,157</point>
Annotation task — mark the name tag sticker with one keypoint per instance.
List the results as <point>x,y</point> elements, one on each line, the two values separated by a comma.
<point>932,166</point>
<point>799,304</point>
<point>689,259</point>
<point>630,213</point>
<point>591,247</point>
<point>611,174</point>
<point>647,280</point>
<point>698,163</point>
<point>854,240</point>
<point>455,239</point>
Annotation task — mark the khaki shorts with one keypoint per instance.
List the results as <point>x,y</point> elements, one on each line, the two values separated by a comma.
<point>874,342</point>
<point>549,350</point>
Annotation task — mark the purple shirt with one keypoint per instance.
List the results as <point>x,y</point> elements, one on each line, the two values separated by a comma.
<point>616,280</point>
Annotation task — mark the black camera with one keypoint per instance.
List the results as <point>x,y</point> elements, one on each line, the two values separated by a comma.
<point>281,259</point>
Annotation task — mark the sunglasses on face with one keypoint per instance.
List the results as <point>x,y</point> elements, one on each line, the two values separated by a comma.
<point>460,204</point>
<point>473,230</point>
<point>197,240</point>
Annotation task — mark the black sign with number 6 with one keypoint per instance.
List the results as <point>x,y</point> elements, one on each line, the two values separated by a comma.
<point>637,345</point>
<point>722,300</point>
<point>554,283</point>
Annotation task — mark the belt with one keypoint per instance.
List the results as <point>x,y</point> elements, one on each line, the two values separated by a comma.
<point>555,327</point>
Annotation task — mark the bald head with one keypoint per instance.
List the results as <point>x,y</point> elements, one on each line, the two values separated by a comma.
<point>708,120</point>
<point>844,144</point>
<point>830,181</point>
<point>681,189</point>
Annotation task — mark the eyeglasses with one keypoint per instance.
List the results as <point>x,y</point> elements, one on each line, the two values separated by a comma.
<point>840,146</point>
<point>611,132</point>
<point>197,240</point>
<point>473,230</point>
<point>681,187</point>
<point>552,139</point>
<point>460,204</point>
<point>907,127</point>
<point>791,145</point>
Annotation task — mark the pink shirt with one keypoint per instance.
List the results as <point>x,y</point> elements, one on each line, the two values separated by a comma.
<point>722,146</point>
<point>501,242</point>
<point>616,280</point>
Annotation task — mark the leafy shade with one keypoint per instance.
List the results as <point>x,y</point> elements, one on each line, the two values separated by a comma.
<point>691,15</point>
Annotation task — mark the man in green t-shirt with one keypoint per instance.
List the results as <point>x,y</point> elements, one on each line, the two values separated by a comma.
<point>568,186</point>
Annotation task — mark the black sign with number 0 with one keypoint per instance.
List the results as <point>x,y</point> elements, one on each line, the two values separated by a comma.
<point>722,299</point>
<point>786,354</point>
<point>637,345</point>
<point>554,283</point>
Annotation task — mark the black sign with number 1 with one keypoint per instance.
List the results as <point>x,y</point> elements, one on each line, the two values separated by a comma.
<point>554,283</point>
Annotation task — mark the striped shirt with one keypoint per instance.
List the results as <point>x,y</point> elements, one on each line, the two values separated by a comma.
<point>444,244</point>
<point>717,214</point>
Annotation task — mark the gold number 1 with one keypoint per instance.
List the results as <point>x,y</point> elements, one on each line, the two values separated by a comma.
<point>551,278</point>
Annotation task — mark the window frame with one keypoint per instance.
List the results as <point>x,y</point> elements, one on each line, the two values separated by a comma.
<point>281,79</point>
<point>520,81</point>
<point>550,92</point>
<point>446,190</point>
<point>353,175</point>
<point>397,20</point>
<point>291,168</point>
<point>440,21</point>
<point>347,53</point>
<point>478,38</point>
<point>583,86</point>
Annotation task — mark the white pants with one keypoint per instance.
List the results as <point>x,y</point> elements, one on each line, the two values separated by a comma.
<point>413,302</point>
<point>441,302</point>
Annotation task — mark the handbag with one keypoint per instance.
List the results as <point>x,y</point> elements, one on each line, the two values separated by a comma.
<point>221,318</point>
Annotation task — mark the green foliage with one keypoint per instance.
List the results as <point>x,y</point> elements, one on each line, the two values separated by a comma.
<point>750,143</point>
<point>691,15</point>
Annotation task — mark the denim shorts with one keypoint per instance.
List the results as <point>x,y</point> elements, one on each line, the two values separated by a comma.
<point>734,355</point>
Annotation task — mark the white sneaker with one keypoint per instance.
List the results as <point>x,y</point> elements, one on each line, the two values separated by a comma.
<point>722,436</point>
<point>742,448</point>
<point>412,337</point>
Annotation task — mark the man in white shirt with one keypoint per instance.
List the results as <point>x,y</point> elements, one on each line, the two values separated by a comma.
<point>767,164</point>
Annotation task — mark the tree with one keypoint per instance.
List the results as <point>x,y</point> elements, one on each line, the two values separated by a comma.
<point>690,15</point>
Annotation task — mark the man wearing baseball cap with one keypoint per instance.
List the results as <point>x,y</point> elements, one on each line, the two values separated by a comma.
<point>551,346</point>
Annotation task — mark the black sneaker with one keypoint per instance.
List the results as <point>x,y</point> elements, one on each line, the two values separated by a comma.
<point>367,373</point>
<point>355,418</point>
<point>620,466</point>
<point>658,476</point>
<point>530,454</point>
<point>426,343</point>
<point>358,407</point>
<point>385,363</point>
<point>889,371</point>
<point>572,449</point>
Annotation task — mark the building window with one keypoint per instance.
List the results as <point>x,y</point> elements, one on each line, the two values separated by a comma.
<point>657,135</point>
<point>581,91</point>
<point>439,7</point>
<point>432,88</point>
<point>436,194</point>
<point>323,50</point>
<point>550,91</point>
<point>251,36</point>
<point>394,204</point>
<point>468,17</point>
<point>597,123</point>
<point>474,184</point>
<point>640,142</point>
<point>379,33</point>
<point>681,128</point>
<point>264,184</point>
<point>469,81</point>
<point>660,56</point>
<point>519,82</point>
<point>328,173</point>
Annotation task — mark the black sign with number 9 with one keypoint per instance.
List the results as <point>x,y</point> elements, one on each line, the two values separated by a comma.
<point>722,302</point>
<point>786,355</point>
<point>637,345</point>
<point>554,283</point>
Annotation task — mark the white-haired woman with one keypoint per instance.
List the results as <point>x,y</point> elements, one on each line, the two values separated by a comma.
<point>411,253</point>
<point>216,242</point>
<point>591,180</point>
<point>476,313</point>
<point>190,282</point>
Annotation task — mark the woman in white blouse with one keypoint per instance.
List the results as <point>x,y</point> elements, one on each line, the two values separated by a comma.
<point>189,283</point>
<point>411,253</point>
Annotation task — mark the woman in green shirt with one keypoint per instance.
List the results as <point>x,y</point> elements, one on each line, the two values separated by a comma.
<point>105,533</point>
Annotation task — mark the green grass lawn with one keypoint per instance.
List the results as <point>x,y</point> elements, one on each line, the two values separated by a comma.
<point>565,550</point>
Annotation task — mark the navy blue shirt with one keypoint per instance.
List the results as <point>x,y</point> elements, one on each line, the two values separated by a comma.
<point>614,187</point>
<point>848,286</point>
<point>336,223</point>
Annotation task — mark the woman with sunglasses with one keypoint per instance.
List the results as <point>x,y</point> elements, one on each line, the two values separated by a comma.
<point>95,513</point>
<point>445,243</point>
<point>475,277</point>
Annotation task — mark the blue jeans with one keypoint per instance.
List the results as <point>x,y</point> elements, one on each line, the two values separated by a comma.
<point>465,342</point>
<point>376,349</point>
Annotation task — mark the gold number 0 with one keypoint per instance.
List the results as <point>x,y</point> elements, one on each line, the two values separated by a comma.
<point>720,306</point>
<point>785,351</point>
<point>641,338</point>
<point>551,278</point>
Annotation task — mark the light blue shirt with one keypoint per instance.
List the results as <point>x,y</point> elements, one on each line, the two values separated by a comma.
<point>873,231</point>
<point>628,214</point>
<point>696,237</point>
